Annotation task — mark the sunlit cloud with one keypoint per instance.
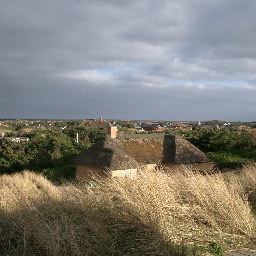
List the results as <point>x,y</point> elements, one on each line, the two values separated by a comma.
<point>93,76</point>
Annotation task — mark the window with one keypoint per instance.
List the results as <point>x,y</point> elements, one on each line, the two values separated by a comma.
<point>127,174</point>
<point>190,167</point>
<point>157,167</point>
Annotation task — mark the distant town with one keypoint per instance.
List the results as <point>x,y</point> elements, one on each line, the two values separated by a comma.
<point>17,129</point>
<point>27,125</point>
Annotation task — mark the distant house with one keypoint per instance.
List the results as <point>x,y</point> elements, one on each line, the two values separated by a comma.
<point>225,125</point>
<point>14,139</point>
<point>95,124</point>
<point>138,126</point>
<point>124,155</point>
<point>214,126</point>
<point>151,127</point>
<point>56,128</point>
<point>175,126</point>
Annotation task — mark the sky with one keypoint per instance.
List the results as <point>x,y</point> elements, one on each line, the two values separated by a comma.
<point>183,60</point>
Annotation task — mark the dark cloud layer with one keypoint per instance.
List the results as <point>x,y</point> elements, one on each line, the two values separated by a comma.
<point>158,60</point>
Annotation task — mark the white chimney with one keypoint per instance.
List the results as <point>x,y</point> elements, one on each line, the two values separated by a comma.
<point>2,130</point>
<point>112,131</point>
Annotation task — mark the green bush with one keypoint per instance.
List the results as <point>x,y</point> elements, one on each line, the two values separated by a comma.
<point>221,140</point>
<point>229,147</point>
<point>229,159</point>
<point>57,174</point>
<point>216,249</point>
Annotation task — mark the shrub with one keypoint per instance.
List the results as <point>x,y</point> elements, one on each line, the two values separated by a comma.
<point>59,173</point>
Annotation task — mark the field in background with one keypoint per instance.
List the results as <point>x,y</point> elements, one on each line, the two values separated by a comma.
<point>180,213</point>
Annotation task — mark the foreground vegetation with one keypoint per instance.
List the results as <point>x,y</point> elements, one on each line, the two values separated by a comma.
<point>179,213</point>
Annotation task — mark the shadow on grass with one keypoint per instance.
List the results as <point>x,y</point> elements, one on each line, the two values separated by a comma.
<point>61,228</point>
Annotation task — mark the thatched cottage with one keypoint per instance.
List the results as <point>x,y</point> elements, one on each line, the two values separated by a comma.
<point>95,124</point>
<point>123,155</point>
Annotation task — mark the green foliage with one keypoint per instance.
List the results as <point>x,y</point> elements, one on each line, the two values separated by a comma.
<point>82,146</point>
<point>125,125</point>
<point>233,159</point>
<point>57,174</point>
<point>19,126</point>
<point>33,134</point>
<point>216,249</point>
<point>125,130</point>
<point>229,147</point>
<point>222,140</point>
<point>11,134</point>
<point>12,157</point>
<point>58,144</point>
<point>86,135</point>
<point>38,154</point>
<point>96,134</point>
<point>47,151</point>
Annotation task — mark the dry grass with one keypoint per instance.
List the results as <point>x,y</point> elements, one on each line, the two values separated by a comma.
<point>146,216</point>
<point>191,208</point>
<point>246,178</point>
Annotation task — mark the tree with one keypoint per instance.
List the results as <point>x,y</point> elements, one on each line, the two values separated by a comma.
<point>13,157</point>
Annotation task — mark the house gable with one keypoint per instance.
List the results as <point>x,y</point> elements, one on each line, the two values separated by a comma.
<point>95,124</point>
<point>106,154</point>
<point>145,149</point>
<point>129,151</point>
<point>178,150</point>
<point>132,151</point>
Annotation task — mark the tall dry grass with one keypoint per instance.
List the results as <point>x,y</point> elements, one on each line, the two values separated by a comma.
<point>186,205</point>
<point>38,218</point>
<point>148,215</point>
<point>246,181</point>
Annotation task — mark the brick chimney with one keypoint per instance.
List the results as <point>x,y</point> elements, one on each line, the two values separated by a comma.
<point>100,119</point>
<point>112,131</point>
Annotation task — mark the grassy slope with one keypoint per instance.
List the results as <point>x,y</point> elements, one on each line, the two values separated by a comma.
<point>152,215</point>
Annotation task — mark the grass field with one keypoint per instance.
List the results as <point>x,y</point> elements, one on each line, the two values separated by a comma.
<point>179,213</point>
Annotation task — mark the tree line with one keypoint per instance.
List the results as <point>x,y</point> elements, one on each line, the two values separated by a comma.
<point>49,152</point>
<point>229,147</point>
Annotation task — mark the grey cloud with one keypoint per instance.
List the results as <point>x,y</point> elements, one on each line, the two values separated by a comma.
<point>138,59</point>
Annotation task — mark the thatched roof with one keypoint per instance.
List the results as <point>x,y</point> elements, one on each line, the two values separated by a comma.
<point>93,124</point>
<point>130,151</point>
<point>106,153</point>
<point>180,151</point>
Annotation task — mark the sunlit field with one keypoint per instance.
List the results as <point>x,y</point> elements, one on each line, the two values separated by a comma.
<point>174,213</point>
